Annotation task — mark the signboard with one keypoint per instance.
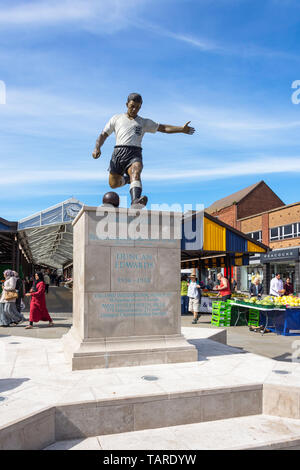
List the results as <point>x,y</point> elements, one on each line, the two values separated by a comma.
<point>280,255</point>
<point>206,304</point>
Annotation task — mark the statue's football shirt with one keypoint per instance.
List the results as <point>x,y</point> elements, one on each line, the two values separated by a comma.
<point>129,132</point>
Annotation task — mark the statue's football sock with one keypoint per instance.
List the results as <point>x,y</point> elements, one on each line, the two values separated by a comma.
<point>135,192</point>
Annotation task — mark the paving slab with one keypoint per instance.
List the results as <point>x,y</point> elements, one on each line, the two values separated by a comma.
<point>34,374</point>
<point>250,432</point>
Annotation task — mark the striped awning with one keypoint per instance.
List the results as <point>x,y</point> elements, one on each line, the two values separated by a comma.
<point>221,244</point>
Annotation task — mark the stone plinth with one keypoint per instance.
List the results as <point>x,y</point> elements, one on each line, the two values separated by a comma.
<point>126,290</point>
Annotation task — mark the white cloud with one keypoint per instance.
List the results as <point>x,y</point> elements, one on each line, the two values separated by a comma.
<point>201,43</point>
<point>95,14</point>
<point>250,166</point>
<point>46,12</point>
<point>259,166</point>
<point>42,113</point>
<point>217,47</point>
<point>236,125</point>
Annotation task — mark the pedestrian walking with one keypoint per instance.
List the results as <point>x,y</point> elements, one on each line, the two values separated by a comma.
<point>9,315</point>
<point>47,282</point>
<point>38,309</point>
<point>194,298</point>
<point>19,289</point>
<point>184,296</point>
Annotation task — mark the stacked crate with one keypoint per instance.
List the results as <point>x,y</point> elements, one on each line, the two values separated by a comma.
<point>221,313</point>
<point>253,317</point>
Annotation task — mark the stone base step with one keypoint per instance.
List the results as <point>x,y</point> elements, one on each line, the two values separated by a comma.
<point>248,432</point>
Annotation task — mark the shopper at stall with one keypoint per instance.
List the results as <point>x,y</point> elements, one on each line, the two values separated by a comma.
<point>276,286</point>
<point>210,284</point>
<point>184,296</point>
<point>9,315</point>
<point>223,288</point>
<point>38,309</point>
<point>194,294</point>
<point>233,285</point>
<point>288,287</point>
<point>256,289</point>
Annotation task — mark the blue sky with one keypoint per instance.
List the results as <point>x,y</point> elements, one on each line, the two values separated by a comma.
<point>226,65</point>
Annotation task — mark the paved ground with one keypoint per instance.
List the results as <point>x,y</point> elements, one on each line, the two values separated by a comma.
<point>250,432</point>
<point>59,302</point>
<point>34,376</point>
<point>270,345</point>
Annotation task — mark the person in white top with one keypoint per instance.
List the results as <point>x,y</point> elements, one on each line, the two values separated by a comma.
<point>126,163</point>
<point>276,286</point>
<point>194,298</point>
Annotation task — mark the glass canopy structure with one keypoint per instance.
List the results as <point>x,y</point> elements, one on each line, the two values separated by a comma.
<point>47,236</point>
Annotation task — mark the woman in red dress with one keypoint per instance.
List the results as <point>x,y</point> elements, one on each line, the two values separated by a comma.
<point>38,309</point>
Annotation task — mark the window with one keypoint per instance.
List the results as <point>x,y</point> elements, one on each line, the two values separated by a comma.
<point>288,231</point>
<point>285,231</point>
<point>297,230</point>
<point>257,236</point>
<point>274,234</point>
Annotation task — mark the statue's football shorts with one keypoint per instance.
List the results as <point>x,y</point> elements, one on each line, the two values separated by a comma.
<point>123,157</point>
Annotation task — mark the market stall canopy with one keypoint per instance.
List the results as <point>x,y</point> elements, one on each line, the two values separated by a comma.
<point>216,240</point>
<point>47,237</point>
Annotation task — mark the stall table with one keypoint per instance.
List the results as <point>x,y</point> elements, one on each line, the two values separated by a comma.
<point>287,322</point>
<point>279,312</point>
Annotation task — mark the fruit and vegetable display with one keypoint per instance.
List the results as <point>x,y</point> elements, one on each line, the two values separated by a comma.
<point>209,294</point>
<point>272,302</point>
<point>240,296</point>
<point>287,300</point>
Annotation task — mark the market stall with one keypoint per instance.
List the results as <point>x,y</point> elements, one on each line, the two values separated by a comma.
<point>280,315</point>
<point>209,243</point>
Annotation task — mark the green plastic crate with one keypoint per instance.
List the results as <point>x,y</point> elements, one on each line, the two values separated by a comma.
<point>253,317</point>
<point>221,317</point>
<point>220,323</point>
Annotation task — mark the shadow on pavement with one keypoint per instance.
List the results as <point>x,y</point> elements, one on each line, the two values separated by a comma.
<point>9,384</point>
<point>208,348</point>
<point>286,357</point>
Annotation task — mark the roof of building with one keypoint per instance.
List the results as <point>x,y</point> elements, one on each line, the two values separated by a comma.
<point>47,237</point>
<point>211,236</point>
<point>232,198</point>
<point>6,225</point>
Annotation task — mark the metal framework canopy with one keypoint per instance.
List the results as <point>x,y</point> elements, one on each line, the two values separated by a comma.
<point>48,235</point>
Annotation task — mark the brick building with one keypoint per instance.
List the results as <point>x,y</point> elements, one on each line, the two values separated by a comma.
<point>280,230</point>
<point>252,200</point>
<point>260,213</point>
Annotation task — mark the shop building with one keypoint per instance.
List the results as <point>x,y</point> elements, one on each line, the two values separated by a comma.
<point>245,205</point>
<point>259,213</point>
<point>248,202</point>
<point>280,230</point>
